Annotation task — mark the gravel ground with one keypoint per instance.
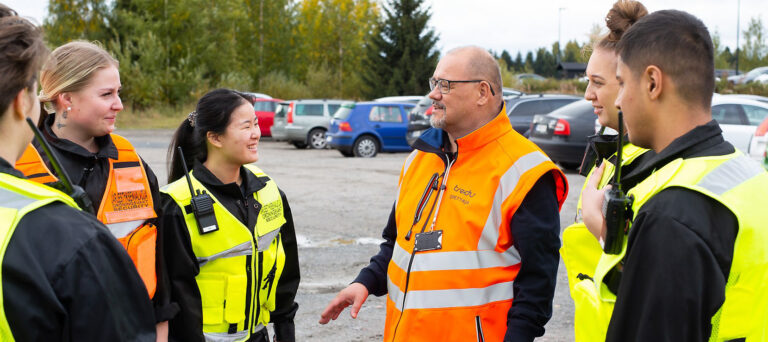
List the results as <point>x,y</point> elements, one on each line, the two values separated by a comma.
<point>340,206</point>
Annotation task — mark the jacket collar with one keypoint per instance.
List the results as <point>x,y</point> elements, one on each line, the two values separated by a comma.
<point>251,184</point>
<point>6,167</point>
<point>107,148</point>
<point>436,141</point>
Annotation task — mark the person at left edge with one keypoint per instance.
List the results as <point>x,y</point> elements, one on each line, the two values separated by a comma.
<point>230,282</point>
<point>80,87</point>
<point>64,277</point>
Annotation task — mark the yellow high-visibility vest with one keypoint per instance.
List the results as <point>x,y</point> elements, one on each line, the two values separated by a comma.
<point>225,275</point>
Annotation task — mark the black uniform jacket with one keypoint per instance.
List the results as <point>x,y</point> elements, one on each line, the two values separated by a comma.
<point>65,278</point>
<point>183,266</point>
<point>536,230</point>
<point>679,253</point>
<point>91,172</point>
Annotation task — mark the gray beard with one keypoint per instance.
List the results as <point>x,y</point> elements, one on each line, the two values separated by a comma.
<point>437,123</point>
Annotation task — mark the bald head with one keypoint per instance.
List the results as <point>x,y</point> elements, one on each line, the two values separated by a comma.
<point>479,64</point>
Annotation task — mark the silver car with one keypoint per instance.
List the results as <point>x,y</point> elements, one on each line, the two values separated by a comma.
<point>304,122</point>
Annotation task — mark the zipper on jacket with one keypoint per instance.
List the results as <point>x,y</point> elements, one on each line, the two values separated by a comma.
<point>479,329</point>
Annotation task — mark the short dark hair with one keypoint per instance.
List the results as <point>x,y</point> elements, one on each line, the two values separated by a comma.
<point>680,45</point>
<point>22,53</point>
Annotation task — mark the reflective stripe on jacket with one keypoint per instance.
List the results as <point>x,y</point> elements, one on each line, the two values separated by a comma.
<point>463,290</point>
<point>126,206</point>
<point>735,181</point>
<point>234,260</point>
<point>18,197</point>
<point>581,250</point>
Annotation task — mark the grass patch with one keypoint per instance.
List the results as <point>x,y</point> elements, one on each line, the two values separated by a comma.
<point>165,117</point>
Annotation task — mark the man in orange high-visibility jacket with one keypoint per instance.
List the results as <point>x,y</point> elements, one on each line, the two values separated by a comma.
<point>470,251</point>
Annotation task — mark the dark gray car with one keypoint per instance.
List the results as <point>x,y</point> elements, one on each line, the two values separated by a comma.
<point>521,109</point>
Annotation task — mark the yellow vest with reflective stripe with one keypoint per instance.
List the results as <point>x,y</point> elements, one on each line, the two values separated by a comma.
<point>224,273</point>
<point>738,183</point>
<point>18,197</point>
<point>581,251</point>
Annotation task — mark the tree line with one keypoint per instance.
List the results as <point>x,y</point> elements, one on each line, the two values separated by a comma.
<point>172,51</point>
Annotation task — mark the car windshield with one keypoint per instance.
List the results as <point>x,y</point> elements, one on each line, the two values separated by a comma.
<point>573,110</point>
<point>757,72</point>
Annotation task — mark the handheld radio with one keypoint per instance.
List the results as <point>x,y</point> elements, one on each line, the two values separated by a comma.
<point>617,206</point>
<point>64,184</point>
<point>201,203</point>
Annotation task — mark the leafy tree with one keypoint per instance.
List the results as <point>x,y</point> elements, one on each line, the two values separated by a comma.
<point>754,51</point>
<point>76,19</point>
<point>401,56</point>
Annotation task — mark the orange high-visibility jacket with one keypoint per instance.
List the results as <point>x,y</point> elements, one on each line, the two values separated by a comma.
<point>125,207</point>
<point>462,291</point>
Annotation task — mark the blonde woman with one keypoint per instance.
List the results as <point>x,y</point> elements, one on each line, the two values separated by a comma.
<point>81,91</point>
<point>64,278</point>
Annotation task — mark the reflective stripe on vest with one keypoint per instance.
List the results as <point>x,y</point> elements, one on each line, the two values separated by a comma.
<point>467,284</point>
<point>33,167</point>
<point>18,197</point>
<point>738,183</point>
<point>223,280</point>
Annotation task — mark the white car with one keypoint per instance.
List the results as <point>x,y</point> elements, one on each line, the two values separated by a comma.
<point>739,118</point>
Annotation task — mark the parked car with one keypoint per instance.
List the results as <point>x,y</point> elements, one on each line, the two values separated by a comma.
<point>749,97</point>
<point>413,99</point>
<point>511,92</point>
<point>521,109</point>
<point>535,77</point>
<point>257,95</point>
<point>364,129</point>
<point>418,119</point>
<point>265,111</point>
<point>739,119</point>
<point>562,134</point>
<point>748,77</point>
<point>304,122</point>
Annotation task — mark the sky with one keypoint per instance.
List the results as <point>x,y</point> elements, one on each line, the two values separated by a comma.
<point>517,25</point>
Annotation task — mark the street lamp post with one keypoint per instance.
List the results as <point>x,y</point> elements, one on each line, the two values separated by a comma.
<point>559,43</point>
<point>738,31</point>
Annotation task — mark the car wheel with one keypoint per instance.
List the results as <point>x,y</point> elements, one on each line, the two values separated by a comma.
<point>300,144</point>
<point>346,153</point>
<point>317,139</point>
<point>366,147</point>
<point>570,166</point>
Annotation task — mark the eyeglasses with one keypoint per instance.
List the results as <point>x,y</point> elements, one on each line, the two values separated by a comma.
<point>445,85</point>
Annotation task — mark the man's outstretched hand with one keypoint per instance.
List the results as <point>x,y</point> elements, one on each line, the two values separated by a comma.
<point>355,294</point>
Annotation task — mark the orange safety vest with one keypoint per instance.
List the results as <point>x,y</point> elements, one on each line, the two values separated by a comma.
<point>463,290</point>
<point>126,206</point>
<point>32,166</point>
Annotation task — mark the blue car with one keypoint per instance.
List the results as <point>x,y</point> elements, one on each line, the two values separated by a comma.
<point>364,129</point>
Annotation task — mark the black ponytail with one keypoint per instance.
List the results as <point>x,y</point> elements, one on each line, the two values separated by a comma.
<point>212,114</point>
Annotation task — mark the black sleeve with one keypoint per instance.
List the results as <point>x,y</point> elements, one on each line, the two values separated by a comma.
<point>288,285</point>
<point>536,233</point>
<point>677,263</point>
<point>182,268</point>
<point>165,309</point>
<point>374,276</point>
<point>66,278</point>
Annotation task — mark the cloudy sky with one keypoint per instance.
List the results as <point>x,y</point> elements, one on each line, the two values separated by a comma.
<point>517,25</point>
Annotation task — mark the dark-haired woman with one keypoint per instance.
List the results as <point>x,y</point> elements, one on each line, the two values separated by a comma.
<point>64,277</point>
<point>238,270</point>
<point>582,250</point>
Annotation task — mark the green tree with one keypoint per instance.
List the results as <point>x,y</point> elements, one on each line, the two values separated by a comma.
<point>507,58</point>
<point>519,66</point>
<point>754,51</point>
<point>76,19</point>
<point>401,56</point>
